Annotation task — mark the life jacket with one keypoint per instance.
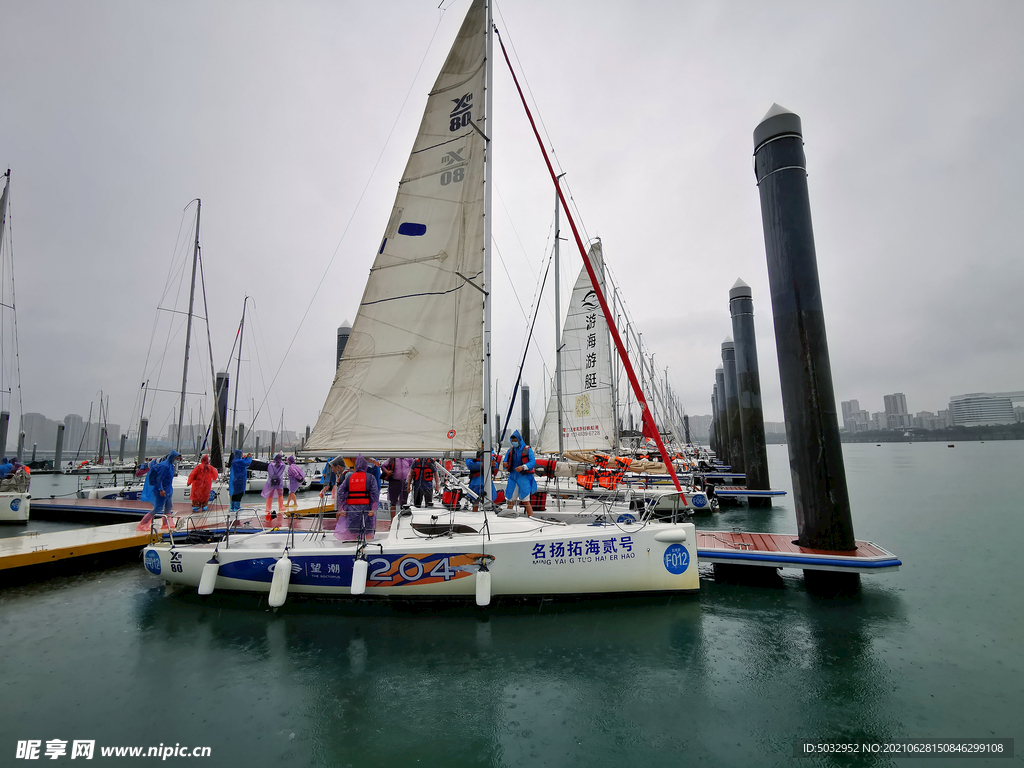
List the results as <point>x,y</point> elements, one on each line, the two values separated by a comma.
<point>424,471</point>
<point>601,460</point>
<point>586,480</point>
<point>358,490</point>
<point>623,461</point>
<point>524,457</point>
<point>609,480</point>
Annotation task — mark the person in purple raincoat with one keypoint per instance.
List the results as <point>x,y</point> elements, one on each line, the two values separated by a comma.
<point>295,477</point>
<point>357,496</point>
<point>275,486</point>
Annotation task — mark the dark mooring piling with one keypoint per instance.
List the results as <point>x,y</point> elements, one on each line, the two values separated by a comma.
<point>732,405</point>
<point>748,385</point>
<point>820,494</point>
<point>722,418</point>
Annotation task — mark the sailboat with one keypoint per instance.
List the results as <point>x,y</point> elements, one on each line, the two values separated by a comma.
<point>582,403</point>
<point>415,380</point>
<point>14,502</point>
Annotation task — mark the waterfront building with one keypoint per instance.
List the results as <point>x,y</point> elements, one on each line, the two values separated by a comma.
<point>896,414</point>
<point>984,408</point>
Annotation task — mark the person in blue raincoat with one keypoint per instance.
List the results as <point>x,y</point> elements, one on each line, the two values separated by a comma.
<point>159,490</point>
<point>6,468</point>
<point>476,476</point>
<point>520,462</point>
<point>239,474</point>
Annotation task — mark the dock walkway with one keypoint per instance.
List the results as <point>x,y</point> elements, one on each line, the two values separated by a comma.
<point>38,548</point>
<point>780,550</point>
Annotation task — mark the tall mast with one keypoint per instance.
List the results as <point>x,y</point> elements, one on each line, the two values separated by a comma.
<point>488,130</point>
<point>238,368</point>
<point>611,366</point>
<point>188,327</point>
<point>558,330</point>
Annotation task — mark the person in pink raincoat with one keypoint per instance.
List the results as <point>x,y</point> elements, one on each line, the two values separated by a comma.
<point>294,477</point>
<point>275,486</point>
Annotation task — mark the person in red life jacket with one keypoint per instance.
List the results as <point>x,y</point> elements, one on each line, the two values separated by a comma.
<point>423,479</point>
<point>358,496</point>
<point>201,479</point>
<point>520,463</point>
<point>396,471</point>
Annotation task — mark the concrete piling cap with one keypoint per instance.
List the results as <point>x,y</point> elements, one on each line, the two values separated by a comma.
<point>739,290</point>
<point>720,369</point>
<point>728,343</point>
<point>776,122</point>
<point>345,326</point>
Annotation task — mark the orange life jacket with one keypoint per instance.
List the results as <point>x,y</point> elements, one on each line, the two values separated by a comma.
<point>600,460</point>
<point>609,480</point>
<point>358,490</point>
<point>586,480</point>
<point>623,461</point>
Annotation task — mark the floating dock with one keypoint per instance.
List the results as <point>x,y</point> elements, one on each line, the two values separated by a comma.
<point>741,491</point>
<point>40,548</point>
<point>778,550</point>
<point>99,507</point>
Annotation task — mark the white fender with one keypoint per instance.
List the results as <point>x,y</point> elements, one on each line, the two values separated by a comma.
<point>208,581</point>
<point>279,584</point>
<point>674,535</point>
<point>359,576</point>
<point>483,587</point>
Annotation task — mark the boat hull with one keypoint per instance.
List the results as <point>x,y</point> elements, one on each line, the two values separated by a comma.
<point>14,507</point>
<point>558,560</point>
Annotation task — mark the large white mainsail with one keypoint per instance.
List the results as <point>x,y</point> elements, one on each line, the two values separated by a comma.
<point>588,414</point>
<point>411,377</point>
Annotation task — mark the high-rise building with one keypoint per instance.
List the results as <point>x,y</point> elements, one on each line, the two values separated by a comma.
<point>896,414</point>
<point>984,408</point>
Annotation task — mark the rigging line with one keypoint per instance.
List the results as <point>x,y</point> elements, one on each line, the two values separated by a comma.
<point>511,282</point>
<point>362,194</point>
<point>648,421</point>
<point>519,376</point>
<point>213,371</point>
<point>514,230</point>
<point>156,315</point>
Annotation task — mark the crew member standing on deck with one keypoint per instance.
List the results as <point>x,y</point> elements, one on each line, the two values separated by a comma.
<point>422,474</point>
<point>358,497</point>
<point>476,476</point>
<point>239,475</point>
<point>161,490</point>
<point>295,478</point>
<point>520,462</point>
<point>201,479</point>
<point>274,486</point>
<point>396,472</point>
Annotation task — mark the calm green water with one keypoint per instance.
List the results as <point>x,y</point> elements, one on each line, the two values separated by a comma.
<point>729,677</point>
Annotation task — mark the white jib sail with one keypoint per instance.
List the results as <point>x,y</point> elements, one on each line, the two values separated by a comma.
<point>588,415</point>
<point>411,377</point>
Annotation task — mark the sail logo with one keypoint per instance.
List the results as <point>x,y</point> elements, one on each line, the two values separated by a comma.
<point>462,115</point>
<point>582,406</point>
<point>590,300</point>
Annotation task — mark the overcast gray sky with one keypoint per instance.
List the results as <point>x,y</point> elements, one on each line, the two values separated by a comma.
<point>114,115</point>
